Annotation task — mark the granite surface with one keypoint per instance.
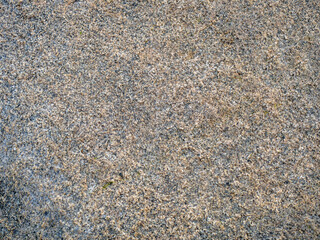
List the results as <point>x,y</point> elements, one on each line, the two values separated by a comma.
<point>160,119</point>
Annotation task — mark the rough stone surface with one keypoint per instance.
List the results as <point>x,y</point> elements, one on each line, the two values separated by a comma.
<point>159,119</point>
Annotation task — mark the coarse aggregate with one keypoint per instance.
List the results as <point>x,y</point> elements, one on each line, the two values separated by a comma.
<point>173,119</point>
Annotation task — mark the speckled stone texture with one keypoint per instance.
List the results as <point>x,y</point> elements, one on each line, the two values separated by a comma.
<point>159,119</point>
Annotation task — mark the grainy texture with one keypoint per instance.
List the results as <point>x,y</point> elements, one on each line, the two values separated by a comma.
<point>159,119</point>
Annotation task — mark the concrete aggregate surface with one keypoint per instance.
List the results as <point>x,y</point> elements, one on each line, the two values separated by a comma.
<point>151,119</point>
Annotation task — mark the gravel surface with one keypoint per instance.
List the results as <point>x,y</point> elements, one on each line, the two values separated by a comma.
<point>160,119</point>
